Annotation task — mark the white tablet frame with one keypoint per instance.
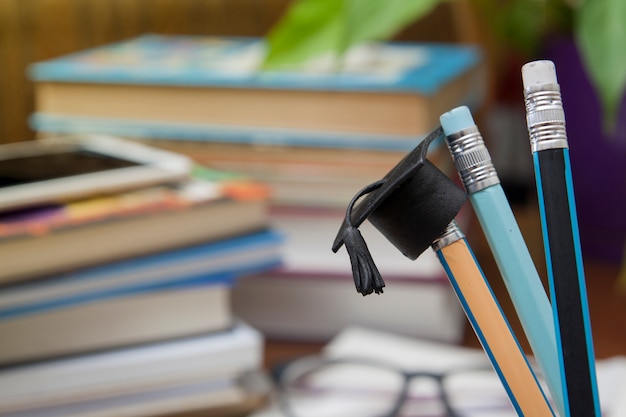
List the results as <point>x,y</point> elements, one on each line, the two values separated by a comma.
<point>156,166</point>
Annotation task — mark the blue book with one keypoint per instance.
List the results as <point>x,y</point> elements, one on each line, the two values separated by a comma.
<point>214,263</point>
<point>62,124</point>
<point>172,294</point>
<point>386,90</point>
<point>234,62</point>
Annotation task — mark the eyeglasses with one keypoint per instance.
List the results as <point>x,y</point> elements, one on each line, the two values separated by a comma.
<point>321,387</point>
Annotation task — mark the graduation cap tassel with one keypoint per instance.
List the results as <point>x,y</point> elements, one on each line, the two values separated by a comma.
<point>367,279</point>
<point>411,206</point>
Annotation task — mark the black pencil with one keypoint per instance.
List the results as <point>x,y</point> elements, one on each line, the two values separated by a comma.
<point>546,126</point>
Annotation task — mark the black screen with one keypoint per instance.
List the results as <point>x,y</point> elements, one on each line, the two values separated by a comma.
<point>24,170</point>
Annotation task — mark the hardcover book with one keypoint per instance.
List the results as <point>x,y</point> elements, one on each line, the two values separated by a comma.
<point>53,239</point>
<point>312,295</point>
<point>176,376</point>
<point>162,296</point>
<point>381,89</point>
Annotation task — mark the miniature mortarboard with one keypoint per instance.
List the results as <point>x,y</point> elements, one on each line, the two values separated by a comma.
<point>411,206</point>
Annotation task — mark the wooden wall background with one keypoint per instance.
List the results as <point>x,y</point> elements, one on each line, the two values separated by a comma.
<point>34,30</point>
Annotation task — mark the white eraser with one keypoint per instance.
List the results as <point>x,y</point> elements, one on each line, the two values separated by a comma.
<point>538,73</point>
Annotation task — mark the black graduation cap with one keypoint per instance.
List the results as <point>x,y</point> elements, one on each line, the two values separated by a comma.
<point>411,206</point>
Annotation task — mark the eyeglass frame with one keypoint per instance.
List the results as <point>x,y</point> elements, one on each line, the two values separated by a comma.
<point>280,370</point>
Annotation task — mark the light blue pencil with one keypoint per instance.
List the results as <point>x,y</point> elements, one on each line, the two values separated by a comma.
<point>503,235</point>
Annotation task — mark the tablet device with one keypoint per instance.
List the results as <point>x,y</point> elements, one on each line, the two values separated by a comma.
<point>58,169</point>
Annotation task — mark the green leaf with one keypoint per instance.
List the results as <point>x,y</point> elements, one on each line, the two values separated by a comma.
<point>601,36</point>
<point>524,25</point>
<point>381,19</point>
<point>308,28</point>
<point>311,27</point>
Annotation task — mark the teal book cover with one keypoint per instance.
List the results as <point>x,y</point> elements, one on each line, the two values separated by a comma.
<point>211,263</point>
<point>188,60</point>
<point>62,124</point>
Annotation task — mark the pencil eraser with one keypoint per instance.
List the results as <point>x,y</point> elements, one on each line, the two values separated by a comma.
<point>538,73</point>
<point>456,120</point>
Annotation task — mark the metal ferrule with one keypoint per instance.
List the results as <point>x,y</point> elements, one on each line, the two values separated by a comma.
<point>545,117</point>
<point>472,159</point>
<point>449,236</point>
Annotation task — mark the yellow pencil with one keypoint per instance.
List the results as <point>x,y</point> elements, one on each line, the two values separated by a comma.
<point>490,324</point>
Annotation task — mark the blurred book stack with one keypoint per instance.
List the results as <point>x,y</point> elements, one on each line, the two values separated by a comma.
<point>120,304</point>
<point>315,136</point>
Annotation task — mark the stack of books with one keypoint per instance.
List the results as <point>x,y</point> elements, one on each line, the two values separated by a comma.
<point>315,135</point>
<point>120,304</point>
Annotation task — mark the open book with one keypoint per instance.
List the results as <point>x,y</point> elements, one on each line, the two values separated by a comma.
<point>472,386</point>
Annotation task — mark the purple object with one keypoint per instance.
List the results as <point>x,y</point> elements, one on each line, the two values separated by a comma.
<point>598,160</point>
<point>30,214</point>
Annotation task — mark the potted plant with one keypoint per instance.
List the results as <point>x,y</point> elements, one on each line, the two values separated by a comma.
<point>586,39</point>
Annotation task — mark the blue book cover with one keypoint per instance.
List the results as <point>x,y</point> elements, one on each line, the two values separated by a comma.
<point>185,60</point>
<point>216,263</point>
<point>134,128</point>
